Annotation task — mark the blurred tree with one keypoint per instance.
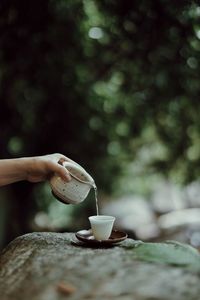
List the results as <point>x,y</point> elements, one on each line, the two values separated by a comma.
<point>98,81</point>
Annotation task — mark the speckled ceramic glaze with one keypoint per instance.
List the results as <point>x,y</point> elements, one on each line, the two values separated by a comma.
<point>76,190</point>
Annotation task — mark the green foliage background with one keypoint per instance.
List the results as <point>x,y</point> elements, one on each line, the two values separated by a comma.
<point>102,82</point>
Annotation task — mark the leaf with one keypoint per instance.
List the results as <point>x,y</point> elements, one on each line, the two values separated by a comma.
<point>169,252</point>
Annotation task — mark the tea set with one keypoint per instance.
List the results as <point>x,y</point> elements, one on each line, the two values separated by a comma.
<point>74,192</point>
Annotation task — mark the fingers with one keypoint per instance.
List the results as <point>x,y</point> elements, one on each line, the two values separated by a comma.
<point>62,160</point>
<point>59,170</point>
<point>59,158</point>
<point>55,164</point>
<point>64,174</point>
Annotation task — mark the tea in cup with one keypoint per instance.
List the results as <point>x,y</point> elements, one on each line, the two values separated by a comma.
<point>101,226</point>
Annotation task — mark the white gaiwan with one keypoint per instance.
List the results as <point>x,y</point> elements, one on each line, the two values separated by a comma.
<point>77,189</point>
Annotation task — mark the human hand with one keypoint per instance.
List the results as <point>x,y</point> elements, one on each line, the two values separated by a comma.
<point>40,168</point>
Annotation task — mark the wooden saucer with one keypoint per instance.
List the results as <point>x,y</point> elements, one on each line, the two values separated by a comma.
<point>87,237</point>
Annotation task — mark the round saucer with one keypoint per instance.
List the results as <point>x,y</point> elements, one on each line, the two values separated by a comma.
<point>87,237</point>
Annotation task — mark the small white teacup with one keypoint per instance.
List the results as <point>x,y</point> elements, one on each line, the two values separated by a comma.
<point>101,226</point>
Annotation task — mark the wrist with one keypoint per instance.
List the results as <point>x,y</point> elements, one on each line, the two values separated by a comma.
<point>30,167</point>
<point>21,168</point>
<point>25,165</point>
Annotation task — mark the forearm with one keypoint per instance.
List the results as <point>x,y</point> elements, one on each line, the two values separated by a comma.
<point>13,170</point>
<point>33,169</point>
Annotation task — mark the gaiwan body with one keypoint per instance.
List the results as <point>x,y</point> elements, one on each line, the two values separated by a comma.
<point>77,189</point>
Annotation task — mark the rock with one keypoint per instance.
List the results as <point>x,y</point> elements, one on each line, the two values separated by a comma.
<point>46,266</point>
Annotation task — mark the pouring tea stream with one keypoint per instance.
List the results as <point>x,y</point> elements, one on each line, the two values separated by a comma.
<point>75,191</point>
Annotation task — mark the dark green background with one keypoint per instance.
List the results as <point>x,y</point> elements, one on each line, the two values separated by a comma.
<point>97,81</point>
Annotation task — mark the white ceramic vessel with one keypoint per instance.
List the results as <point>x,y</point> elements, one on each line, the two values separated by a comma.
<point>101,226</point>
<point>77,189</point>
